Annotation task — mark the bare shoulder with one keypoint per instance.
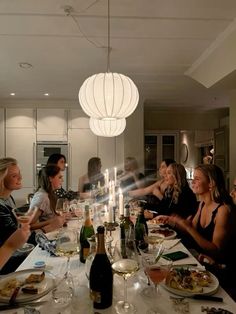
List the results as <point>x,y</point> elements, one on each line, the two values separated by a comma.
<point>224,211</point>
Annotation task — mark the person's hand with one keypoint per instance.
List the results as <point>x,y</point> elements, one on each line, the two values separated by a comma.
<point>18,238</point>
<point>206,259</point>
<point>162,219</point>
<point>147,214</point>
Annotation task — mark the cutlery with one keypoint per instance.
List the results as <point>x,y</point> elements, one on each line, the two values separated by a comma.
<point>207,298</point>
<point>4,307</point>
<point>185,265</point>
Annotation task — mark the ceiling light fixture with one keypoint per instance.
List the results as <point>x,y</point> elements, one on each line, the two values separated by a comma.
<point>107,127</point>
<point>25,65</point>
<point>108,96</point>
<point>46,94</point>
<point>12,94</point>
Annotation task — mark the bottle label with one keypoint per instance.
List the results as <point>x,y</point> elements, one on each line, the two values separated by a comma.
<point>95,296</point>
<point>85,252</point>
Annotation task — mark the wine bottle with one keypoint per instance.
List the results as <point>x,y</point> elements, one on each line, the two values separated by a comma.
<point>101,276</point>
<point>141,231</point>
<point>125,223</point>
<point>86,232</point>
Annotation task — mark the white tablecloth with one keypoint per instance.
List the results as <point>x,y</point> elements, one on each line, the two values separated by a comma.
<point>82,304</point>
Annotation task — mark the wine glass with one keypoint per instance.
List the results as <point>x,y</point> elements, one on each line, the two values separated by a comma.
<point>125,264</point>
<point>25,214</point>
<point>157,270</point>
<point>67,245</point>
<point>79,211</point>
<point>62,206</point>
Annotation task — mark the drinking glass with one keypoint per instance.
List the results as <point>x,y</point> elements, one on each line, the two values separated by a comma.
<point>79,211</point>
<point>125,264</point>
<point>157,270</point>
<point>62,206</point>
<point>67,245</point>
<point>25,214</point>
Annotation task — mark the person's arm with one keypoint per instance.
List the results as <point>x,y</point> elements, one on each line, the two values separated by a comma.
<point>142,191</point>
<point>14,242</point>
<point>220,235</point>
<point>82,181</point>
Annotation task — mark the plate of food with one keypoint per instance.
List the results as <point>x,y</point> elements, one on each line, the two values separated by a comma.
<point>186,281</point>
<point>162,233</point>
<point>31,284</point>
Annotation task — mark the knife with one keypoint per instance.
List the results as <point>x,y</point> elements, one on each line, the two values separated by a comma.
<point>4,307</point>
<point>207,298</point>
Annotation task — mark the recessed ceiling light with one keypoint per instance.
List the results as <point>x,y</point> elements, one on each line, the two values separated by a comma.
<point>46,94</point>
<point>25,65</point>
<point>12,94</point>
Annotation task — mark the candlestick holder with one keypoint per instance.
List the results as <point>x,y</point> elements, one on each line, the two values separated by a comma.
<point>114,217</point>
<point>110,226</point>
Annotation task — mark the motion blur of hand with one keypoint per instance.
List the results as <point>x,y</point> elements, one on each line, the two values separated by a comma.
<point>19,237</point>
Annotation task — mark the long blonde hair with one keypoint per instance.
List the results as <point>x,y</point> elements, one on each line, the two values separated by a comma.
<point>180,179</point>
<point>5,163</point>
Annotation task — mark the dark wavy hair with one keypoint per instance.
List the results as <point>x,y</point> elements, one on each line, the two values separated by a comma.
<point>215,176</point>
<point>45,184</point>
<point>169,161</point>
<point>94,171</point>
<point>54,158</point>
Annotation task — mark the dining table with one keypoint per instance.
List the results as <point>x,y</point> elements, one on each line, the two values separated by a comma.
<point>82,304</point>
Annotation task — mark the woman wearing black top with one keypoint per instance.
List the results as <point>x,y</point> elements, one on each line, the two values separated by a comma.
<point>213,227</point>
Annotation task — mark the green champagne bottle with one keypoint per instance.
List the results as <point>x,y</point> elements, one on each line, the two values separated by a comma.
<point>86,232</point>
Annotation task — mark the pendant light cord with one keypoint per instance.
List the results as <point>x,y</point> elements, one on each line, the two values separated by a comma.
<point>108,36</point>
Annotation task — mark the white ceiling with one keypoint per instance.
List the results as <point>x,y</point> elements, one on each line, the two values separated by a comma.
<point>153,41</point>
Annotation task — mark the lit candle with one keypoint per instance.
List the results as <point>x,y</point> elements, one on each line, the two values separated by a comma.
<point>113,189</point>
<point>121,203</point>
<point>115,175</point>
<point>110,209</point>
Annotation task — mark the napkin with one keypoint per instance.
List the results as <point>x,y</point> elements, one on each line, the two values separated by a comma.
<point>46,244</point>
<point>168,244</point>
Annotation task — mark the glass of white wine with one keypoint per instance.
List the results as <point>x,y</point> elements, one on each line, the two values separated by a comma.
<point>125,264</point>
<point>66,245</point>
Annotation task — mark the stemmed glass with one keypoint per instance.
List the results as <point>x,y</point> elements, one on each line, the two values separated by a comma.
<point>79,211</point>
<point>25,214</point>
<point>157,270</point>
<point>125,264</point>
<point>62,206</point>
<point>67,245</point>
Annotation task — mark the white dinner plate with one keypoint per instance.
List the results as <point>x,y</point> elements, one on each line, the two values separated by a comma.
<point>160,235</point>
<point>211,289</point>
<point>44,287</point>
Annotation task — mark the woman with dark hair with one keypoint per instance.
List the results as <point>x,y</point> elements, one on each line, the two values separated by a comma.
<point>60,161</point>
<point>157,189</point>
<point>45,199</point>
<point>214,224</point>
<point>92,177</point>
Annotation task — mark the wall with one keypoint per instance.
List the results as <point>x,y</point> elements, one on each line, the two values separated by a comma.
<point>134,136</point>
<point>182,119</point>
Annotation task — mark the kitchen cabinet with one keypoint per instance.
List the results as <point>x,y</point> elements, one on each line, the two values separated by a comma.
<point>20,118</point>
<point>82,146</point>
<point>52,124</point>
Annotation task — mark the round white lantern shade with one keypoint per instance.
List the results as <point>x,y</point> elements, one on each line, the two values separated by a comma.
<point>108,95</point>
<point>107,127</point>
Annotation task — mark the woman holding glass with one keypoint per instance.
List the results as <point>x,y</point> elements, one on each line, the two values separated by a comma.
<point>10,180</point>
<point>45,200</point>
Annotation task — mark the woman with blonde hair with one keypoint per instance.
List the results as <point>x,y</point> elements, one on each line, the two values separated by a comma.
<point>178,198</point>
<point>214,223</point>
<point>11,238</point>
